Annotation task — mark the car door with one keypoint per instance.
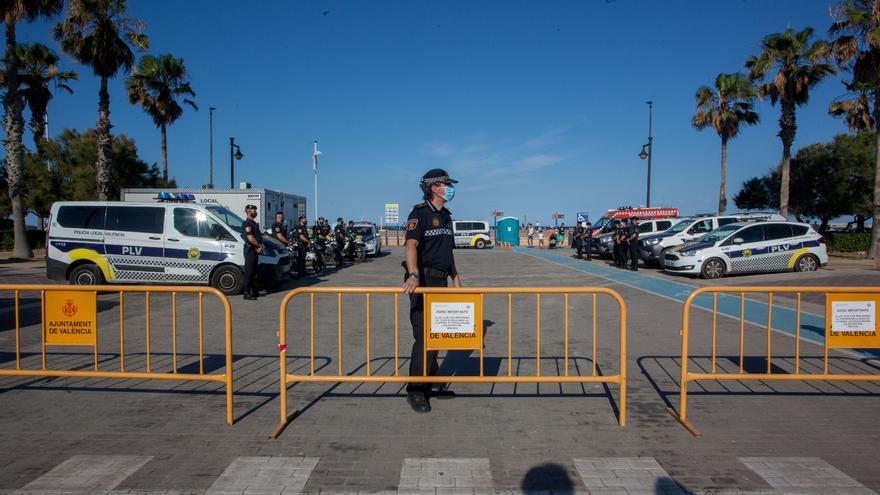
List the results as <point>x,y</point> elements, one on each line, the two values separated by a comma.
<point>194,245</point>
<point>779,247</point>
<point>134,242</point>
<point>745,255</point>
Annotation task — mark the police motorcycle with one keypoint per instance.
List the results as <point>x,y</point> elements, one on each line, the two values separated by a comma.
<point>355,248</point>
<point>320,257</point>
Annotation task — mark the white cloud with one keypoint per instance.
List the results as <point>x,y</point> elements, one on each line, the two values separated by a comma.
<point>537,162</point>
<point>546,138</point>
<point>440,149</point>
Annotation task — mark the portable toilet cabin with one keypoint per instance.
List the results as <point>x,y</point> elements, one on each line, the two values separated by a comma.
<point>507,231</point>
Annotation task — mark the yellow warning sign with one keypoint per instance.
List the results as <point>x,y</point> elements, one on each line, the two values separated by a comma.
<point>454,321</point>
<point>851,321</point>
<point>71,318</point>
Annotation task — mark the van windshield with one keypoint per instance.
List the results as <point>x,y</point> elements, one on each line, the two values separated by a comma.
<point>226,216</point>
<point>680,226</point>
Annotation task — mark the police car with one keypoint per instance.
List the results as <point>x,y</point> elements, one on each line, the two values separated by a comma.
<point>750,247</point>
<point>90,243</point>
<point>471,233</point>
<point>370,237</point>
<point>653,247</point>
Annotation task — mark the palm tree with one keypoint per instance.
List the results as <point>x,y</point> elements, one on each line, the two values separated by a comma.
<point>793,64</point>
<point>13,106</point>
<point>157,84</point>
<point>39,68</point>
<point>855,107</point>
<point>724,108</point>
<point>857,47</point>
<point>100,35</point>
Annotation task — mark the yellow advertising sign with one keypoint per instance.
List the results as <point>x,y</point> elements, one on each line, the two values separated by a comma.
<point>453,321</point>
<point>71,318</point>
<point>851,321</point>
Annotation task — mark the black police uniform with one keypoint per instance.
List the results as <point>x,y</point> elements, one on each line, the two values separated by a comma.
<point>432,228</point>
<point>251,257</point>
<point>301,231</point>
<point>587,240</point>
<point>278,231</point>
<point>622,247</point>
<point>615,248</point>
<point>633,229</point>
<point>339,235</point>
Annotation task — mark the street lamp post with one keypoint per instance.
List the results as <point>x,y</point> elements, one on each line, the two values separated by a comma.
<point>234,154</point>
<point>211,153</point>
<point>650,153</point>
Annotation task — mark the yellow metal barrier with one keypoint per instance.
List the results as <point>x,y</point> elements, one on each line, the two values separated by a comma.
<point>89,332</point>
<point>741,293</point>
<point>286,379</point>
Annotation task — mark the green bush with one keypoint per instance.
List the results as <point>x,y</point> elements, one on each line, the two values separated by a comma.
<point>36,238</point>
<point>847,242</point>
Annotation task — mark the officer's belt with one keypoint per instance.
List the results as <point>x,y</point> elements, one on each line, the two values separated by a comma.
<point>429,271</point>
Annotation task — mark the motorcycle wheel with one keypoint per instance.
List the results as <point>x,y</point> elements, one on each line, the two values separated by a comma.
<point>360,254</point>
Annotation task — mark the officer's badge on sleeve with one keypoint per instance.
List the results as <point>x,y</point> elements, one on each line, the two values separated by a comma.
<point>412,224</point>
<point>247,229</point>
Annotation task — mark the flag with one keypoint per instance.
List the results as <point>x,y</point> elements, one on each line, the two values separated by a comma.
<point>315,154</point>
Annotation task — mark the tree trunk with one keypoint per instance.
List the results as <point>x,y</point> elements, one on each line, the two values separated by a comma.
<point>164,155</point>
<point>13,124</point>
<point>823,225</point>
<point>722,193</point>
<point>105,143</point>
<point>787,131</point>
<point>38,128</point>
<point>875,229</point>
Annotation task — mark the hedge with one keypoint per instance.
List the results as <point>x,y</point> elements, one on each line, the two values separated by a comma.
<point>848,242</point>
<point>37,239</point>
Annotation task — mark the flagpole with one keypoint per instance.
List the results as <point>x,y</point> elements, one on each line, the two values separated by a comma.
<point>315,154</point>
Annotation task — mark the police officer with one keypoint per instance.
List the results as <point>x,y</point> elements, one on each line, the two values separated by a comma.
<point>587,239</point>
<point>278,230</point>
<point>252,249</point>
<point>622,245</point>
<point>339,235</point>
<point>350,234</point>
<point>302,245</point>
<point>632,238</point>
<point>615,249</point>
<point>429,263</point>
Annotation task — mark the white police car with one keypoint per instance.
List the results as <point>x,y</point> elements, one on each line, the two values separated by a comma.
<point>369,234</point>
<point>93,242</point>
<point>750,247</point>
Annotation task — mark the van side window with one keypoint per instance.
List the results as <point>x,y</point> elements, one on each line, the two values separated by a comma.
<point>82,217</point>
<point>726,220</point>
<point>752,234</point>
<point>799,230</point>
<point>663,225</point>
<point>645,227</point>
<point>776,231</point>
<point>194,223</point>
<point>701,227</point>
<point>146,219</point>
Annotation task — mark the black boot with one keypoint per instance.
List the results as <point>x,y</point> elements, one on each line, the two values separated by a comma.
<point>418,402</point>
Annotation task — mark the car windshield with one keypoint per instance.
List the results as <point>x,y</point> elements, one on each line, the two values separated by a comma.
<point>600,223</point>
<point>231,219</point>
<point>720,233</point>
<point>680,226</point>
<point>363,230</point>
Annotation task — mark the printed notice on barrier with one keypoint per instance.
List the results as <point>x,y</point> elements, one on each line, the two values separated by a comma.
<point>851,320</point>
<point>454,321</point>
<point>71,318</point>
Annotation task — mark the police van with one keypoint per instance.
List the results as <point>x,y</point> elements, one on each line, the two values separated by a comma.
<point>604,244</point>
<point>471,233</point>
<point>653,247</point>
<point>750,247</point>
<point>175,242</point>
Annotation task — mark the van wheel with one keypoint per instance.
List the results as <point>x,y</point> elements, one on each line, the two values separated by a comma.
<point>712,268</point>
<point>480,244</point>
<point>87,274</point>
<point>228,279</point>
<point>806,263</point>
<point>662,261</point>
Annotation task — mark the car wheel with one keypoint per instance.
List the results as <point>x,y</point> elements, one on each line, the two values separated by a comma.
<point>480,244</point>
<point>87,274</point>
<point>806,263</point>
<point>712,268</point>
<point>228,279</point>
<point>662,259</point>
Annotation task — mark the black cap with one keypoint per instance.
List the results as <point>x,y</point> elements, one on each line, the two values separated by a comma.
<point>436,176</point>
<point>250,207</point>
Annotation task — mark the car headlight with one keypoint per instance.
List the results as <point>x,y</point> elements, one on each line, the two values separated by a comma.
<point>651,242</point>
<point>690,253</point>
<point>607,241</point>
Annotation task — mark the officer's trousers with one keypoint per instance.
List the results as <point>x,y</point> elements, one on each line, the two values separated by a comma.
<point>416,318</point>
<point>634,254</point>
<point>588,245</point>
<point>622,254</point>
<point>337,253</point>
<point>301,260</point>
<point>250,272</point>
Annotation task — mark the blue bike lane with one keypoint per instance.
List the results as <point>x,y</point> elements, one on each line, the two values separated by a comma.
<point>783,320</point>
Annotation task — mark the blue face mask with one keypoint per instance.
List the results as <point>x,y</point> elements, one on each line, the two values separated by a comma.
<point>448,192</point>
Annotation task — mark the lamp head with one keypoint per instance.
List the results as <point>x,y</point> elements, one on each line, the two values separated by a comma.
<point>239,156</point>
<point>643,154</point>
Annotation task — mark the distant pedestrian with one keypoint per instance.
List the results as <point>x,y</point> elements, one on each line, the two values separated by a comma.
<point>541,238</point>
<point>530,234</point>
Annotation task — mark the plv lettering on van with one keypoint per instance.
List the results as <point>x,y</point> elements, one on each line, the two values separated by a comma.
<point>132,250</point>
<point>780,247</point>
<point>71,318</point>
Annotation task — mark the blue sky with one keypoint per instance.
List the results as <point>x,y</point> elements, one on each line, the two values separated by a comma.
<point>536,107</point>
